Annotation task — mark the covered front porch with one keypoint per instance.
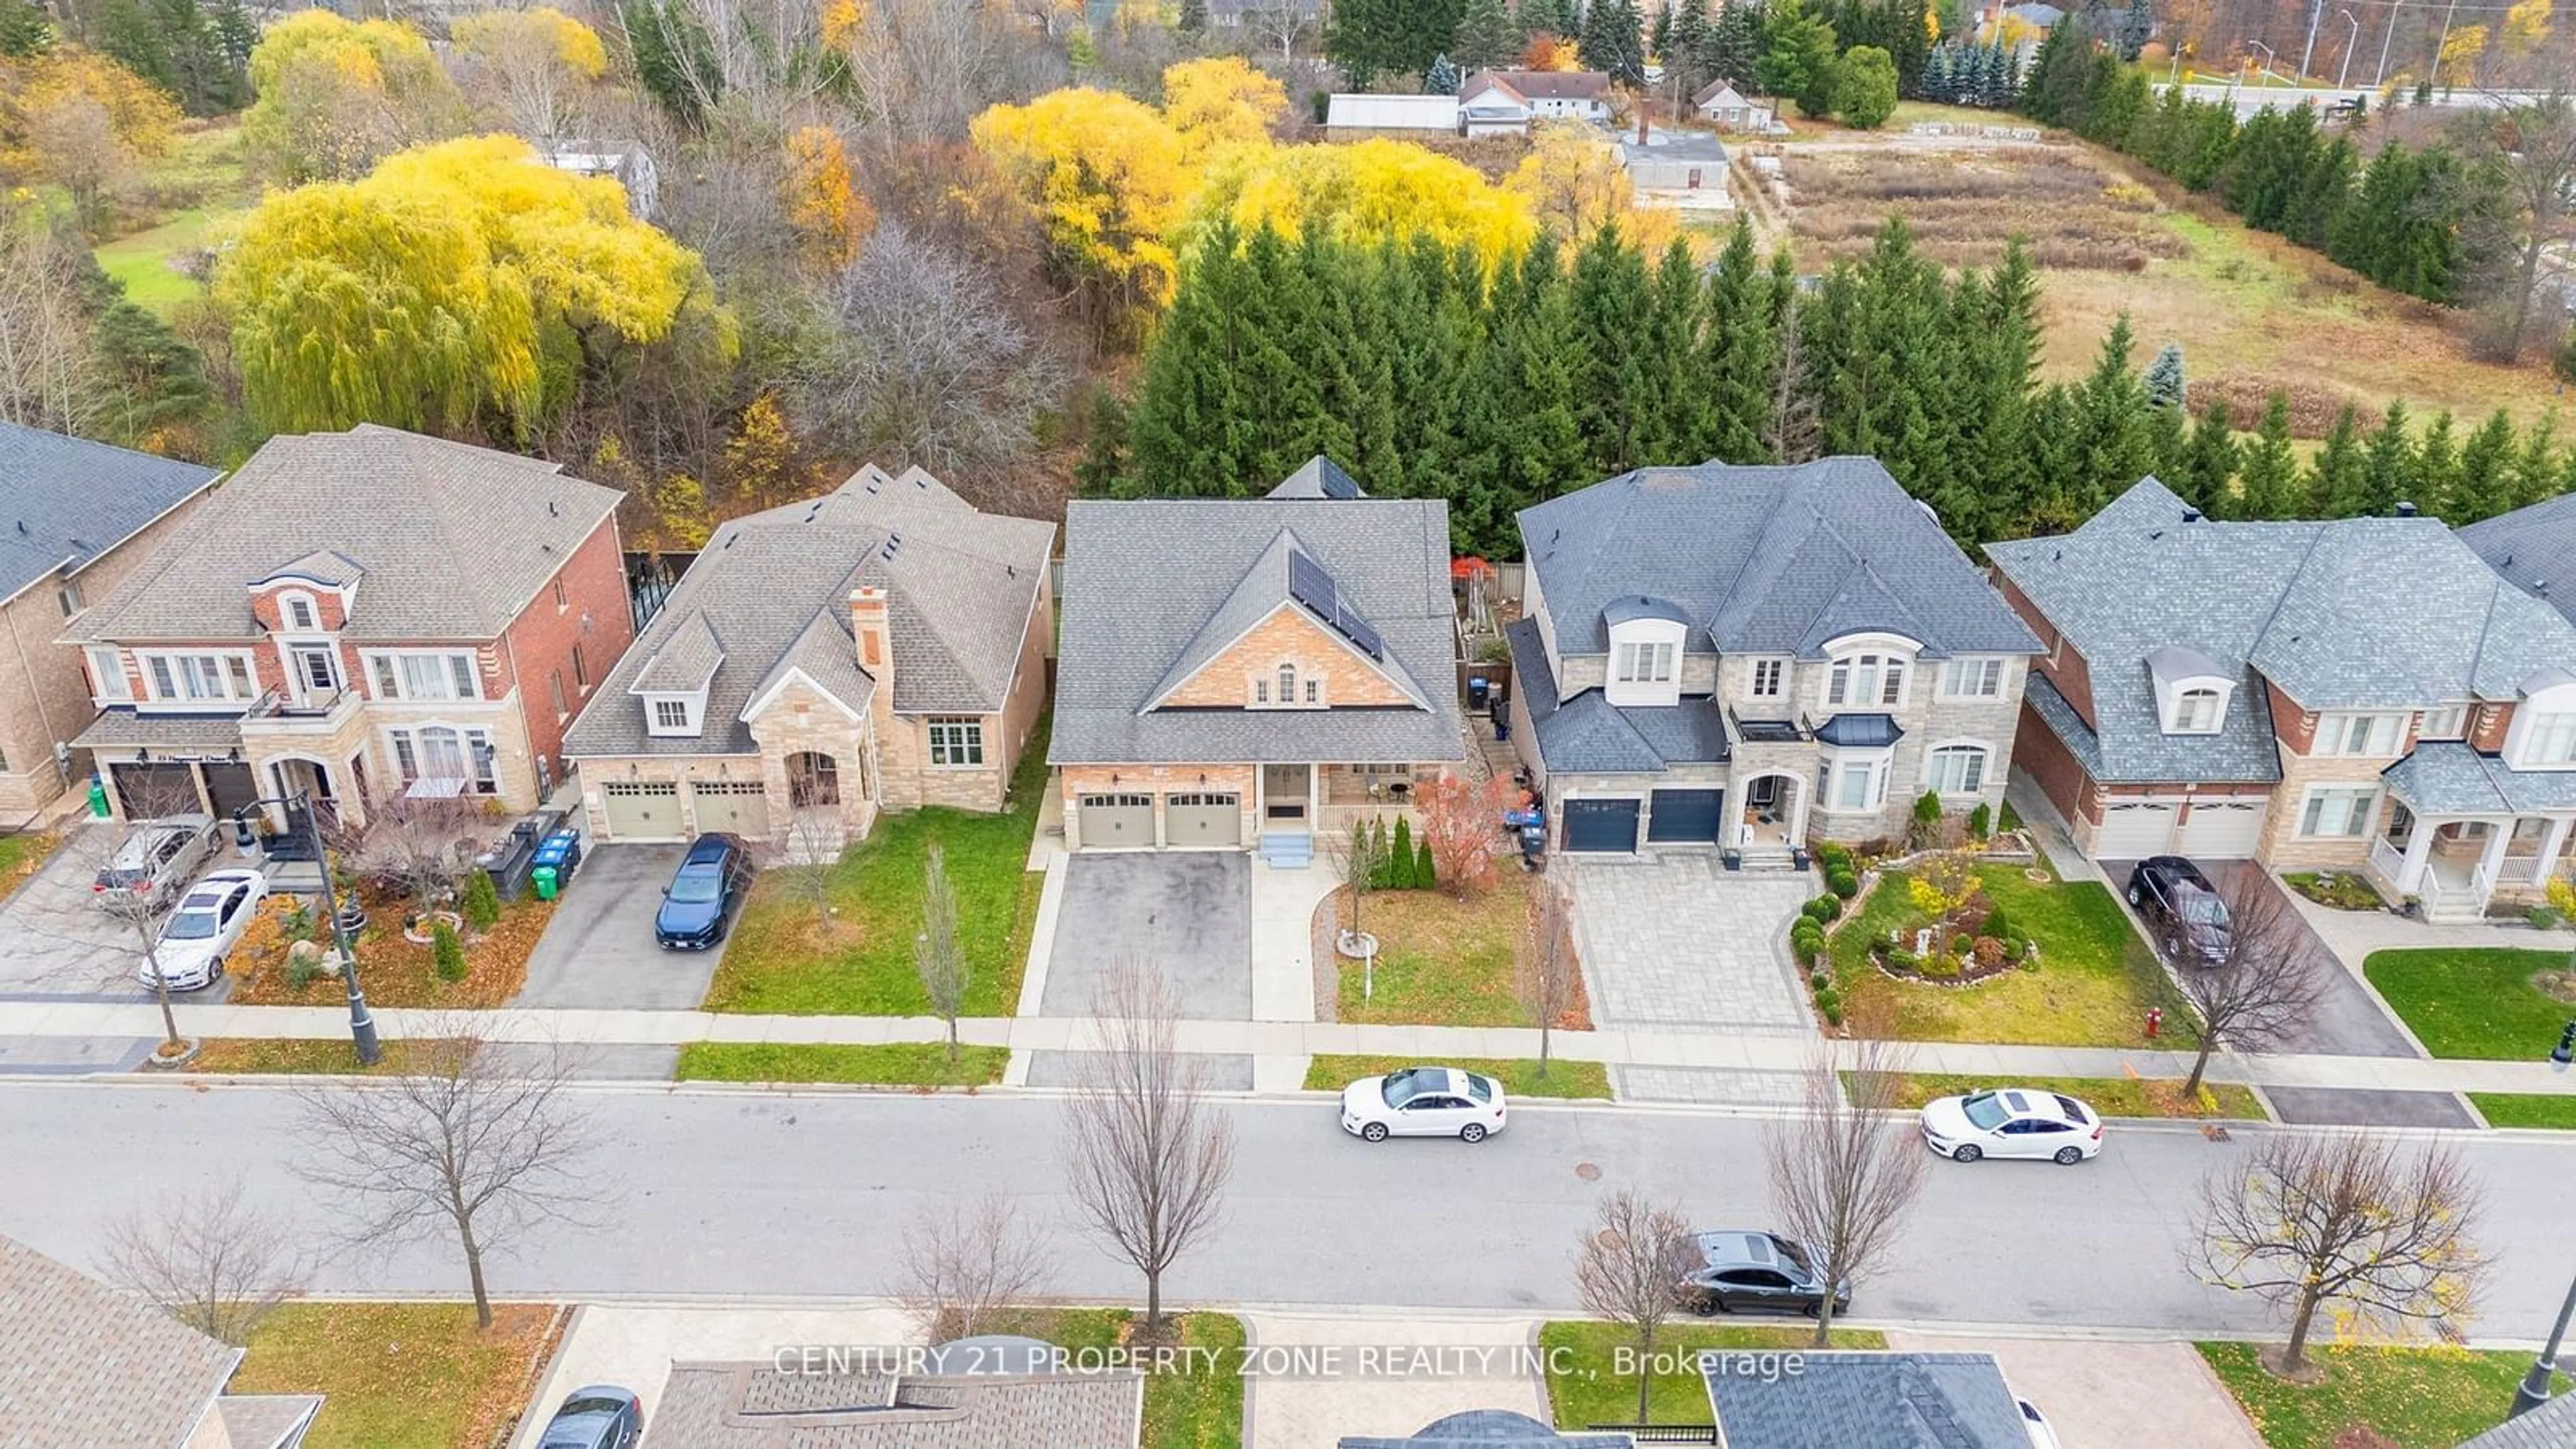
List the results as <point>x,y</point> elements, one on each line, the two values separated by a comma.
<point>2462,831</point>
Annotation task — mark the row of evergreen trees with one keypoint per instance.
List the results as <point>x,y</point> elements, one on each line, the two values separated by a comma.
<point>2400,221</point>
<point>1959,74</point>
<point>1428,379</point>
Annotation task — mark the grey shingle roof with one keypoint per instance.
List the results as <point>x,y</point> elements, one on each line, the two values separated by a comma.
<point>1145,578</point>
<point>453,540</point>
<point>64,501</point>
<point>1589,735</point>
<point>83,1365</point>
<point>267,1421</point>
<point>2551,1426</point>
<point>1489,1429</point>
<point>751,1406</point>
<point>123,727</point>
<point>684,661</point>
<point>2360,613</point>
<point>2447,777</point>
<point>2534,548</point>
<point>771,590</point>
<point>1320,477</point>
<point>1770,560</point>
<point>1857,1400</point>
<point>1262,591</point>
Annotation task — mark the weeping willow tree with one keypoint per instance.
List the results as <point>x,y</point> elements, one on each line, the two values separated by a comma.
<point>462,287</point>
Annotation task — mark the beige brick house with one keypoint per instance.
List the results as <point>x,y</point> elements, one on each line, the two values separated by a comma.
<point>2362,693</point>
<point>882,647</point>
<point>1743,659</point>
<point>1240,673</point>
<point>356,615</point>
<point>75,518</point>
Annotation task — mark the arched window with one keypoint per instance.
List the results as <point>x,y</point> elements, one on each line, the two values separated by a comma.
<point>296,612</point>
<point>1956,769</point>
<point>1287,684</point>
<point>2196,712</point>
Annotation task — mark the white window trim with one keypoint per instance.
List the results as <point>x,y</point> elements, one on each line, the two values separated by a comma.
<point>1842,667</point>
<point>290,651</point>
<point>1878,764</point>
<point>382,662</point>
<point>2338,725</point>
<point>1985,768</point>
<point>109,683</point>
<point>1647,661</point>
<point>692,711</point>
<point>1952,671</point>
<point>286,602</point>
<point>465,737</point>
<point>2526,755</point>
<point>930,736</point>
<point>228,702</point>
<point>2431,725</point>
<point>2362,816</point>
<point>1779,679</point>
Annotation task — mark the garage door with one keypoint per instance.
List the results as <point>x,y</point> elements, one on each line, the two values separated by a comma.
<point>2133,831</point>
<point>1109,821</point>
<point>145,792</point>
<point>2223,831</point>
<point>231,787</point>
<point>1201,819</point>
<point>1600,824</point>
<point>1685,817</point>
<point>642,809</point>
<point>739,806</point>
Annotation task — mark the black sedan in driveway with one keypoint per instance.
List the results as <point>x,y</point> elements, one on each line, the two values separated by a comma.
<point>2183,911</point>
<point>698,904</point>
<point>602,1416</point>
<point>1737,1272</point>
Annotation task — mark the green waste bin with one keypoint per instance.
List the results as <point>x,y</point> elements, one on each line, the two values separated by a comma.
<point>542,879</point>
<point>97,798</point>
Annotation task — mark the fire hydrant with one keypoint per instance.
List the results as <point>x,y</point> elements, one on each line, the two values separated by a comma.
<point>2155,1021</point>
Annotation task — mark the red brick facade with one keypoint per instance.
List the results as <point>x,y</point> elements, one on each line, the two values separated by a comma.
<point>595,618</point>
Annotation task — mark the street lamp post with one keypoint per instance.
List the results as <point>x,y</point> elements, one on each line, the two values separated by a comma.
<point>2269,58</point>
<point>2350,43</point>
<point>2534,1389</point>
<point>362,1023</point>
<point>2379,77</point>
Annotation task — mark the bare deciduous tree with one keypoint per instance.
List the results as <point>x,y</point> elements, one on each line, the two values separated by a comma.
<point>1283,23</point>
<point>2259,987</point>
<point>469,1139</point>
<point>2310,1220</point>
<point>49,374</point>
<point>208,1258</point>
<point>1845,1170</point>
<point>76,140</point>
<point>926,362</point>
<point>140,916</point>
<point>964,1264</point>
<point>1547,974</point>
<point>921,69</point>
<point>803,863</point>
<point>423,847</point>
<point>1355,858</point>
<point>1147,1151</point>
<point>1629,1271</point>
<point>528,69</point>
<point>936,955</point>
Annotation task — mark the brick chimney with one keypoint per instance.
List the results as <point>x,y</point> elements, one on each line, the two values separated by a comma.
<point>868,626</point>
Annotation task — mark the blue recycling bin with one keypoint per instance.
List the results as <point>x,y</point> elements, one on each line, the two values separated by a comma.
<point>559,853</point>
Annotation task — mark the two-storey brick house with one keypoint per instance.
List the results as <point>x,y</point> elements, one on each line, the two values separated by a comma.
<point>354,615</point>
<point>1241,673</point>
<point>2359,693</point>
<point>882,647</point>
<point>1748,658</point>
<point>75,518</point>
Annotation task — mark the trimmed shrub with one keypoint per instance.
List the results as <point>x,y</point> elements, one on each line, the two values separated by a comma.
<point>1820,981</point>
<point>1807,941</point>
<point>1990,952</point>
<point>1940,966</point>
<point>447,954</point>
<point>1981,822</point>
<point>1426,876</point>
<point>1843,881</point>
<point>1833,853</point>
<point>1996,925</point>
<point>1400,864</point>
<point>1927,808</point>
<point>480,905</point>
<point>2008,819</point>
<point>1832,1006</point>
<point>1825,908</point>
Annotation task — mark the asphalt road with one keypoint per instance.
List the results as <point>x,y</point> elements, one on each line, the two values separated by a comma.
<point>779,1195</point>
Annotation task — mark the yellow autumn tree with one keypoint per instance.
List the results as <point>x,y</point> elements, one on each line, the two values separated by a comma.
<point>1571,179</point>
<point>830,217</point>
<point>462,287</point>
<point>2525,26</point>
<point>81,121</point>
<point>2459,59</point>
<point>1223,102</point>
<point>530,68</point>
<point>1366,192</point>
<point>1106,176</point>
<point>336,96</point>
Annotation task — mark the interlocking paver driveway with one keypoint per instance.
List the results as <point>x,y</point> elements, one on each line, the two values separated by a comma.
<point>1682,942</point>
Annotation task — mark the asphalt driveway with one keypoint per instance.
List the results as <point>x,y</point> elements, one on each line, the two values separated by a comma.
<point>1188,912</point>
<point>55,941</point>
<point>598,950</point>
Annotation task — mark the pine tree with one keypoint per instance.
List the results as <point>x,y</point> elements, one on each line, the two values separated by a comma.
<point>1991,492</point>
<point>1734,49</point>
<point>1609,297</point>
<point>2437,468</point>
<point>2485,473</point>
<point>1740,352</point>
<point>1680,393</point>
<point>1686,58</point>
<point>2387,466</point>
<point>1551,17</point>
<point>2268,480</point>
<point>2166,384</point>
<point>2114,447</point>
<point>2334,474</point>
<point>2207,474</point>
<point>1487,37</point>
<point>1193,18</point>
<point>2535,475</point>
<point>1611,41</point>
<point>1659,35</point>
<point>1103,470</point>
<point>1797,56</point>
<point>1443,78</point>
<point>1189,430</point>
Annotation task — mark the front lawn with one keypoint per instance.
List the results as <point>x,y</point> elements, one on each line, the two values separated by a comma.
<point>1198,1404</point>
<point>1443,960</point>
<point>1584,1386</point>
<point>786,960</point>
<point>2095,981</point>
<point>22,855</point>
<point>2538,1109</point>
<point>2110,1096</point>
<point>2417,1398</point>
<point>896,1064</point>
<point>2476,1003</point>
<point>402,1375</point>
<point>1519,1078</point>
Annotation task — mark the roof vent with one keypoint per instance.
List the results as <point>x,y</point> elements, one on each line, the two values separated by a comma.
<point>552,511</point>
<point>22,527</point>
<point>2540,587</point>
<point>2191,515</point>
<point>893,545</point>
<point>2405,509</point>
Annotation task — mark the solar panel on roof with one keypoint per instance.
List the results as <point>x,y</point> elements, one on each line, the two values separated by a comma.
<point>1309,585</point>
<point>1338,484</point>
<point>1360,631</point>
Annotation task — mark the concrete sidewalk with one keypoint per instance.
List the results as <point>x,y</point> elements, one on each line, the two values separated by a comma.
<point>1292,1039</point>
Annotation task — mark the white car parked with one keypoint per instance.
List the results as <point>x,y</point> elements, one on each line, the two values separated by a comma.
<point>210,918</point>
<point>2012,1122</point>
<point>1423,1102</point>
<point>2035,1424</point>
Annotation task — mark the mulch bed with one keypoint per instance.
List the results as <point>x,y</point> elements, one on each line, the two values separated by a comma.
<point>396,971</point>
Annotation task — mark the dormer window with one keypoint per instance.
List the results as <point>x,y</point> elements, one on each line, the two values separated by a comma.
<point>2191,690</point>
<point>1646,639</point>
<point>1646,663</point>
<point>298,612</point>
<point>672,714</point>
<point>2196,712</point>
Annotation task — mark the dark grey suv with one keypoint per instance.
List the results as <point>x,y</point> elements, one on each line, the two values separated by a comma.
<point>1754,1273</point>
<point>2183,911</point>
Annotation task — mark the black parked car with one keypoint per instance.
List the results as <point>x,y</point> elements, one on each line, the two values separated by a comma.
<point>2182,909</point>
<point>602,1416</point>
<point>699,902</point>
<point>1755,1273</point>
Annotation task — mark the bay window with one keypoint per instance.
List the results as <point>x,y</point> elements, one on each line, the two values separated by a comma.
<point>446,752</point>
<point>443,674</point>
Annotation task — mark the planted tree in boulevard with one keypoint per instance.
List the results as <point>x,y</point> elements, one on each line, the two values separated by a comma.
<point>2256,988</point>
<point>208,1257</point>
<point>1628,1272</point>
<point>1547,974</point>
<point>1845,1171</point>
<point>936,955</point>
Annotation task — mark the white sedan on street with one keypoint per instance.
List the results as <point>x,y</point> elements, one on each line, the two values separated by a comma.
<point>2012,1122</point>
<point>209,920</point>
<point>1423,1102</point>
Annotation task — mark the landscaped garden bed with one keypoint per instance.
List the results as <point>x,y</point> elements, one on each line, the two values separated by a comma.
<point>1584,1387</point>
<point>396,970</point>
<point>2416,1398</point>
<point>2499,1005</point>
<point>403,1375</point>
<point>844,946</point>
<point>1519,1078</point>
<point>2344,890</point>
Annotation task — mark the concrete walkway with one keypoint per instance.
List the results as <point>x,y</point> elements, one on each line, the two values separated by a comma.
<point>1292,1039</point>
<point>1315,1379</point>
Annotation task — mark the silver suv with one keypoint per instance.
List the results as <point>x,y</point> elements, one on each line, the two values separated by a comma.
<point>155,862</point>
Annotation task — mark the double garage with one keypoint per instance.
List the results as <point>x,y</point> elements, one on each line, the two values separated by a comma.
<point>2216,828</point>
<point>651,809</point>
<point>1613,824</point>
<point>146,789</point>
<point>1201,819</point>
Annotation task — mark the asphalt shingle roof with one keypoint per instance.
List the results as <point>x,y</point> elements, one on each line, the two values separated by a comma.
<point>752,1406</point>
<point>1765,560</point>
<point>2447,777</point>
<point>2358,613</point>
<point>83,1365</point>
<point>1320,477</point>
<point>1589,735</point>
<point>1868,1401</point>
<point>1489,1429</point>
<point>2551,1426</point>
<point>685,661</point>
<point>770,592</point>
<point>2534,548</point>
<point>1146,579</point>
<point>64,501</point>
<point>450,541</point>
